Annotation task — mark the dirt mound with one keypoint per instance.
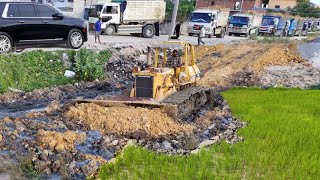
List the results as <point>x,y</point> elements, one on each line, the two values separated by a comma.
<point>277,55</point>
<point>126,120</point>
<point>59,141</point>
<point>223,66</point>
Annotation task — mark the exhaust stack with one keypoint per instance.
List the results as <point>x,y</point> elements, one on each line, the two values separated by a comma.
<point>148,58</point>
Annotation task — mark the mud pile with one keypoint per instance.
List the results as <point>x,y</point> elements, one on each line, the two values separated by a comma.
<point>242,64</point>
<point>72,142</point>
<point>127,121</point>
<point>59,141</point>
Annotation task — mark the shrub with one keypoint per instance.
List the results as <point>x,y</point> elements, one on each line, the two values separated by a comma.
<point>89,65</point>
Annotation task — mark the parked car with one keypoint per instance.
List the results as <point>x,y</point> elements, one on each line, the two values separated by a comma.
<point>36,23</point>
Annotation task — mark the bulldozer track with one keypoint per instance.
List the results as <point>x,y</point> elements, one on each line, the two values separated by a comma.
<point>186,102</point>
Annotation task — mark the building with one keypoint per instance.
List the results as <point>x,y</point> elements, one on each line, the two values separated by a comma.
<point>231,4</point>
<point>236,5</point>
<point>281,4</point>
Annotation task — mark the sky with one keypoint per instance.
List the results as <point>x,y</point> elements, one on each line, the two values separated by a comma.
<point>315,1</point>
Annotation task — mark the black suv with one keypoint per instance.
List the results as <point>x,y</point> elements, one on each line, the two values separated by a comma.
<point>33,23</point>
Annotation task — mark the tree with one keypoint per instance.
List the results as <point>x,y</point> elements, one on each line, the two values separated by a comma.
<point>185,9</point>
<point>306,9</point>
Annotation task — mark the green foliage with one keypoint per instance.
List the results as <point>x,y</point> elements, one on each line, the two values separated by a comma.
<point>39,69</point>
<point>31,70</point>
<point>281,142</point>
<point>305,9</point>
<point>27,169</point>
<point>185,9</point>
<point>89,65</point>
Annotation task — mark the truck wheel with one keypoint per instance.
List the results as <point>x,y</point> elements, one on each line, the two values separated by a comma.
<point>230,34</point>
<point>5,43</point>
<point>75,39</point>
<point>110,29</point>
<point>191,34</point>
<point>148,31</point>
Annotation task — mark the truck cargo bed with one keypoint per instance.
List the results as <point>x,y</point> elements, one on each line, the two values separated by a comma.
<point>144,11</point>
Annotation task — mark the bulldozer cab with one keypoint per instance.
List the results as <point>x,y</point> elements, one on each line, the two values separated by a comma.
<point>174,51</point>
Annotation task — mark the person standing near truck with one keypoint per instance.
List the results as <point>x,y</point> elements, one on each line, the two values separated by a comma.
<point>97,30</point>
<point>202,34</point>
<point>177,30</point>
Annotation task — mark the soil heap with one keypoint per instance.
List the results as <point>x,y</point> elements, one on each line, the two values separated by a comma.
<point>126,120</point>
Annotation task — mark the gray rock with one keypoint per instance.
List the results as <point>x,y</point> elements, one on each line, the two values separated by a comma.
<point>216,138</point>
<point>45,154</point>
<point>211,127</point>
<point>192,142</point>
<point>196,151</point>
<point>156,145</point>
<point>115,142</point>
<point>5,176</point>
<point>166,145</point>
<point>176,144</point>
<point>207,143</point>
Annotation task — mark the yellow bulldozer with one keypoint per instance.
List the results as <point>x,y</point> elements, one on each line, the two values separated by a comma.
<point>160,81</point>
<point>167,83</point>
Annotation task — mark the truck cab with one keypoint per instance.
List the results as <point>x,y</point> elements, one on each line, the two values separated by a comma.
<point>269,25</point>
<point>240,24</point>
<point>109,13</point>
<point>206,18</point>
<point>282,27</point>
<point>292,28</point>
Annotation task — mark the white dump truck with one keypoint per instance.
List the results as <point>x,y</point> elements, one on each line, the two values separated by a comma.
<point>214,21</point>
<point>244,24</point>
<point>135,17</point>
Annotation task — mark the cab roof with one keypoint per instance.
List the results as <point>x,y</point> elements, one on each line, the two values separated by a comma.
<point>170,45</point>
<point>205,11</point>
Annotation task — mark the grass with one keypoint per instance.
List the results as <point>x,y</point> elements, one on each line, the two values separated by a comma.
<point>31,70</point>
<point>39,69</point>
<point>281,142</point>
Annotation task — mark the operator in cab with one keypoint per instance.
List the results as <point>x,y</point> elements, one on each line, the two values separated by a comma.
<point>174,60</point>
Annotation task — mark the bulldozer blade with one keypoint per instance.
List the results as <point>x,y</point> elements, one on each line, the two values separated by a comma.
<point>169,109</point>
<point>180,105</point>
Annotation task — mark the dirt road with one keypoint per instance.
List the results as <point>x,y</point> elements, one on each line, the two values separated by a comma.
<point>139,42</point>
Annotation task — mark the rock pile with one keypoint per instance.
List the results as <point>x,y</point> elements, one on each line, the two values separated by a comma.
<point>296,76</point>
<point>121,64</point>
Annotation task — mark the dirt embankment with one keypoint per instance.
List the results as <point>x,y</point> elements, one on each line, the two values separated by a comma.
<point>242,64</point>
<point>126,120</point>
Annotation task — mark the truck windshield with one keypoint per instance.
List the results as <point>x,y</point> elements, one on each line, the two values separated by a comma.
<point>267,22</point>
<point>238,19</point>
<point>201,17</point>
<point>94,11</point>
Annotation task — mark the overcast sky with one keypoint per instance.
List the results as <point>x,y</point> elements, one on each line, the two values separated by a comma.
<point>315,1</point>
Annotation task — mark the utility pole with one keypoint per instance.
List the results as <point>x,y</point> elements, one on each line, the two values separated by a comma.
<point>241,6</point>
<point>174,18</point>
